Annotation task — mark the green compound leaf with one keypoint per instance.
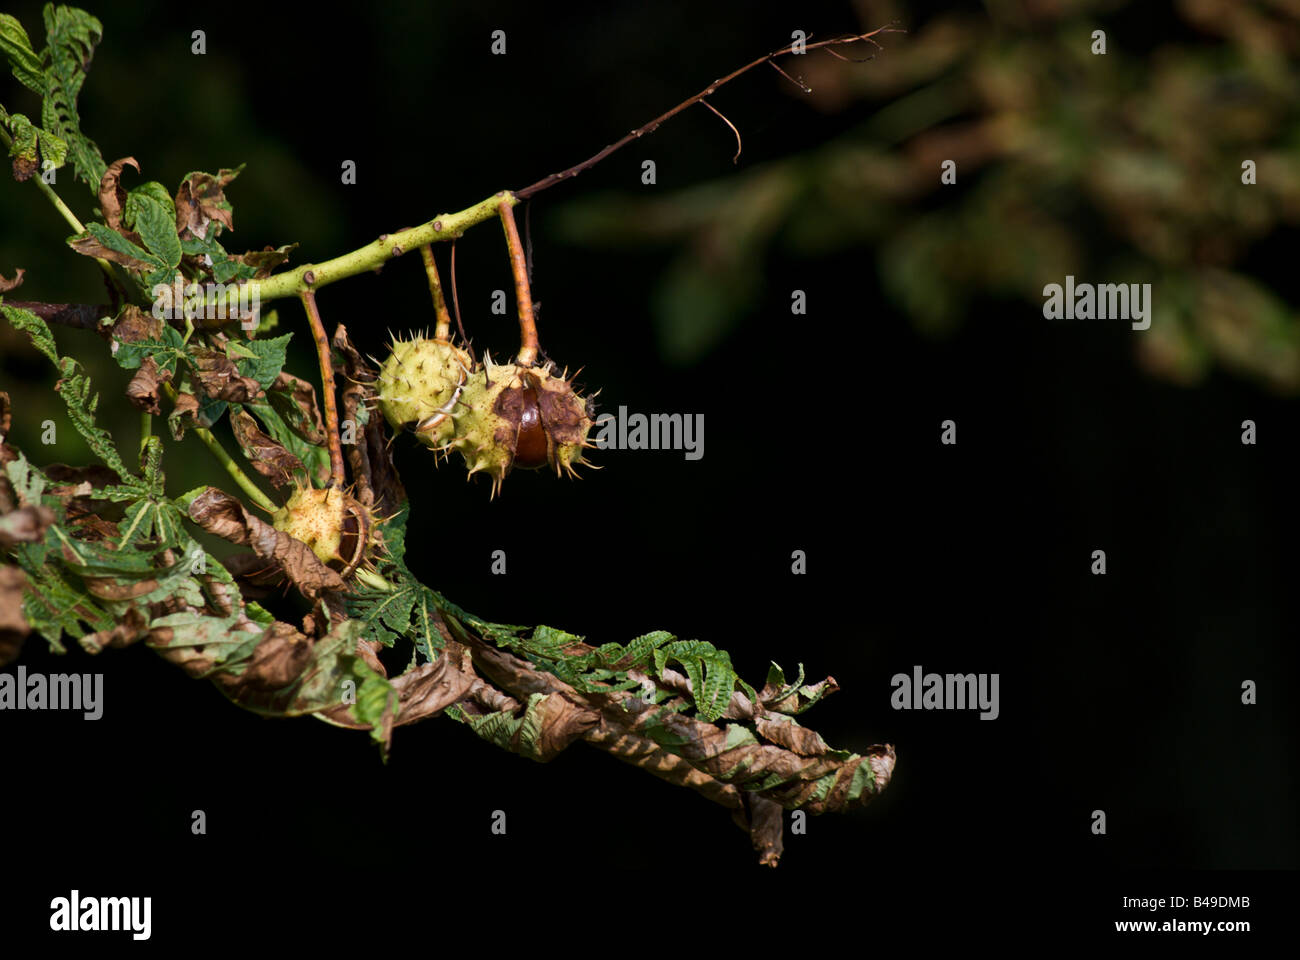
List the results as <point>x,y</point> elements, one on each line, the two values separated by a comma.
<point>72,36</point>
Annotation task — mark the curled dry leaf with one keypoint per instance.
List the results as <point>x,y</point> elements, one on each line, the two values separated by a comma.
<point>145,387</point>
<point>265,260</point>
<point>184,415</point>
<point>725,763</point>
<point>424,691</point>
<point>112,196</point>
<point>200,199</point>
<point>6,284</point>
<point>371,458</point>
<point>766,828</point>
<point>296,401</point>
<point>221,514</point>
<point>135,324</point>
<point>268,457</point>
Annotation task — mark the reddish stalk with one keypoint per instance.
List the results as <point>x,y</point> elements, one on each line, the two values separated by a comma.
<point>528,348</point>
<point>327,385</point>
<point>653,125</point>
<point>443,332</point>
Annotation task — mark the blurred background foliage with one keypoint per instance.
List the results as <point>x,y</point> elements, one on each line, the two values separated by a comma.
<point>1123,168</point>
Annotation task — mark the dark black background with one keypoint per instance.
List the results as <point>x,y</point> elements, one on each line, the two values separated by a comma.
<point>822,434</point>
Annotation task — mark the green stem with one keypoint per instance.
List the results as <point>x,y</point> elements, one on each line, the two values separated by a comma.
<point>312,276</point>
<point>146,429</point>
<point>214,446</point>
<point>67,215</point>
<point>248,486</point>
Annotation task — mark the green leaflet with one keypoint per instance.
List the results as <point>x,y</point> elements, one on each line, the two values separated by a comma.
<point>120,244</point>
<point>72,36</point>
<point>502,729</point>
<point>713,679</point>
<point>17,48</point>
<point>73,387</point>
<point>408,609</point>
<point>150,190</point>
<point>224,268</point>
<point>32,145</point>
<point>157,227</point>
<point>260,359</point>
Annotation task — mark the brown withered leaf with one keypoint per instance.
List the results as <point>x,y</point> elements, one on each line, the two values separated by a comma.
<point>96,474</point>
<point>145,387</point>
<point>424,691</point>
<point>6,413</point>
<point>20,521</point>
<point>766,829</point>
<point>130,628</point>
<point>784,732</point>
<point>279,658</point>
<point>257,573</point>
<point>85,519</point>
<point>184,415</point>
<point>268,457</point>
<point>134,324</point>
<point>221,514</point>
<point>13,625</point>
<point>112,196</point>
<point>295,401</point>
<point>266,259</point>
<point>562,722</point>
<point>220,379</point>
<point>6,284</point>
<point>24,167</point>
<point>25,525</point>
<point>370,458</point>
<point>200,199</point>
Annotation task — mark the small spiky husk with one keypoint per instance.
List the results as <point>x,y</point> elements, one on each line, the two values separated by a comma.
<point>489,411</point>
<point>419,384</point>
<point>339,529</point>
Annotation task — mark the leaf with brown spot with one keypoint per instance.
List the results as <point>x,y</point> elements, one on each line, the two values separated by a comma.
<point>112,195</point>
<point>268,458</point>
<point>126,252</point>
<point>107,588</point>
<point>265,260</point>
<point>221,514</point>
<point>220,379</point>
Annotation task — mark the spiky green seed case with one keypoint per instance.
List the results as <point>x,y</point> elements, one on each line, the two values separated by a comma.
<point>498,417</point>
<point>417,383</point>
